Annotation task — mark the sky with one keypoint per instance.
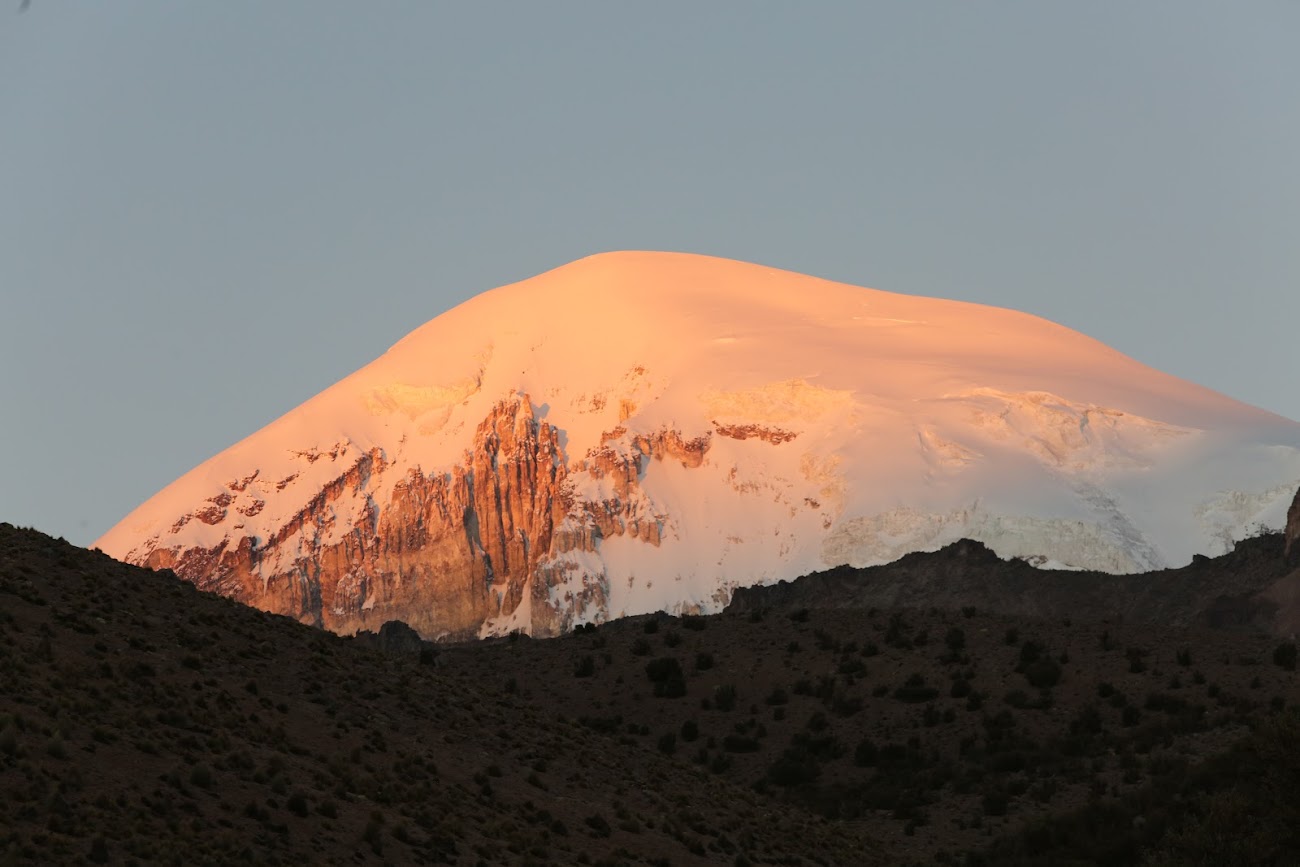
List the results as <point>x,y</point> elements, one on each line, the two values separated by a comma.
<point>209,212</point>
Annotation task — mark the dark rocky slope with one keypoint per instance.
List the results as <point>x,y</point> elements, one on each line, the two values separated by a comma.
<point>142,721</point>
<point>145,722</point>
<point>1240,589</point>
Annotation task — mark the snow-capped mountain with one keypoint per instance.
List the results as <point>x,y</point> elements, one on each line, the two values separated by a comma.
<point>643,431</point>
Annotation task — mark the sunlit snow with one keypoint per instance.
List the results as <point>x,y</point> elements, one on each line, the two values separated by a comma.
<point>847,425</point>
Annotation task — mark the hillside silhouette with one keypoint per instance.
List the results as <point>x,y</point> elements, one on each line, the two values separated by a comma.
<point>143,721</point>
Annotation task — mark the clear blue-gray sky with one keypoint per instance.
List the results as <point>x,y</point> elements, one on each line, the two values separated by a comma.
<point>211,211</point>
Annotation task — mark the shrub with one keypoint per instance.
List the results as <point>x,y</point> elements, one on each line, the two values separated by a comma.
<point>201,776</point>
<point>1088,721</point>
<point>896,634</point>
<point>864,756</point>
<point>1031,651</point>
<point>851,666</point>
<point>98,851</point>
<point>1018,699</point>
<point>1136,663</point>
<point>845,705</point>
<point>735,743</point>
<point>724,697</point>
<point>994,803</point>
<point>793,769</point>
<point>914,691</point>
<point>586,667</point>
<point>1285,655</point>
<point>955,638</point>
<point>666,675</point>
<point>703,661</point>
<point>1043,673</point>
<point>1163,701</point>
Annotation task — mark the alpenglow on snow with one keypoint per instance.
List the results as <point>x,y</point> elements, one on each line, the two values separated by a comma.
<point>635,432</point>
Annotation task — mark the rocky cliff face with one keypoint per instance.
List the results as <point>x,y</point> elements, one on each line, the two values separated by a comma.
<point>1292,532</point>
<point>448,552</point>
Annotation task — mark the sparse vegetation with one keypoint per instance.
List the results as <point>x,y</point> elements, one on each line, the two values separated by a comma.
<point>217,734</point>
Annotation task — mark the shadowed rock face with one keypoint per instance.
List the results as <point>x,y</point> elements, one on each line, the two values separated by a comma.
<point>1292,532</point>
<point>447,551</point>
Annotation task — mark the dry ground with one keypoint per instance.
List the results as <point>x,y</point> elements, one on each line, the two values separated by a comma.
<point>144,722</point>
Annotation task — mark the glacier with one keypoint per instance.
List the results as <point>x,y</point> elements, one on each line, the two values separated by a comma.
<point>645,431</point>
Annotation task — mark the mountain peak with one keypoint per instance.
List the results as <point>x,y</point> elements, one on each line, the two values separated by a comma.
<point>638,431</point>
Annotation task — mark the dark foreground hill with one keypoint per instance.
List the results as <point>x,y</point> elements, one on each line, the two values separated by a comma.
<point>1251,588</point>
<point>142,721</point>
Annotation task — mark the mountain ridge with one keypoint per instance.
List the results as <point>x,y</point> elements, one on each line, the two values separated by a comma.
<point>644,431</point>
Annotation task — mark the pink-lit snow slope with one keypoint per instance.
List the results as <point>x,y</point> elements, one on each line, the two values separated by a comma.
<point>901,423</point>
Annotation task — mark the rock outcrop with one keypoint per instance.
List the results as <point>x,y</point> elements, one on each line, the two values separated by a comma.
<point>398,639</point>
<point>1291,534</point>
<point>447,552</point>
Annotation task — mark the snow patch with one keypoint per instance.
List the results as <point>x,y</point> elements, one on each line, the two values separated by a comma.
<point>876,539</point>
<point>1230,516</point>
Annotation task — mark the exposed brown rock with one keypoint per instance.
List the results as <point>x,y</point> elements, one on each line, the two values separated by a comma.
<point>773,435</point>
<point>669,443</point>
<point>448,550</point>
